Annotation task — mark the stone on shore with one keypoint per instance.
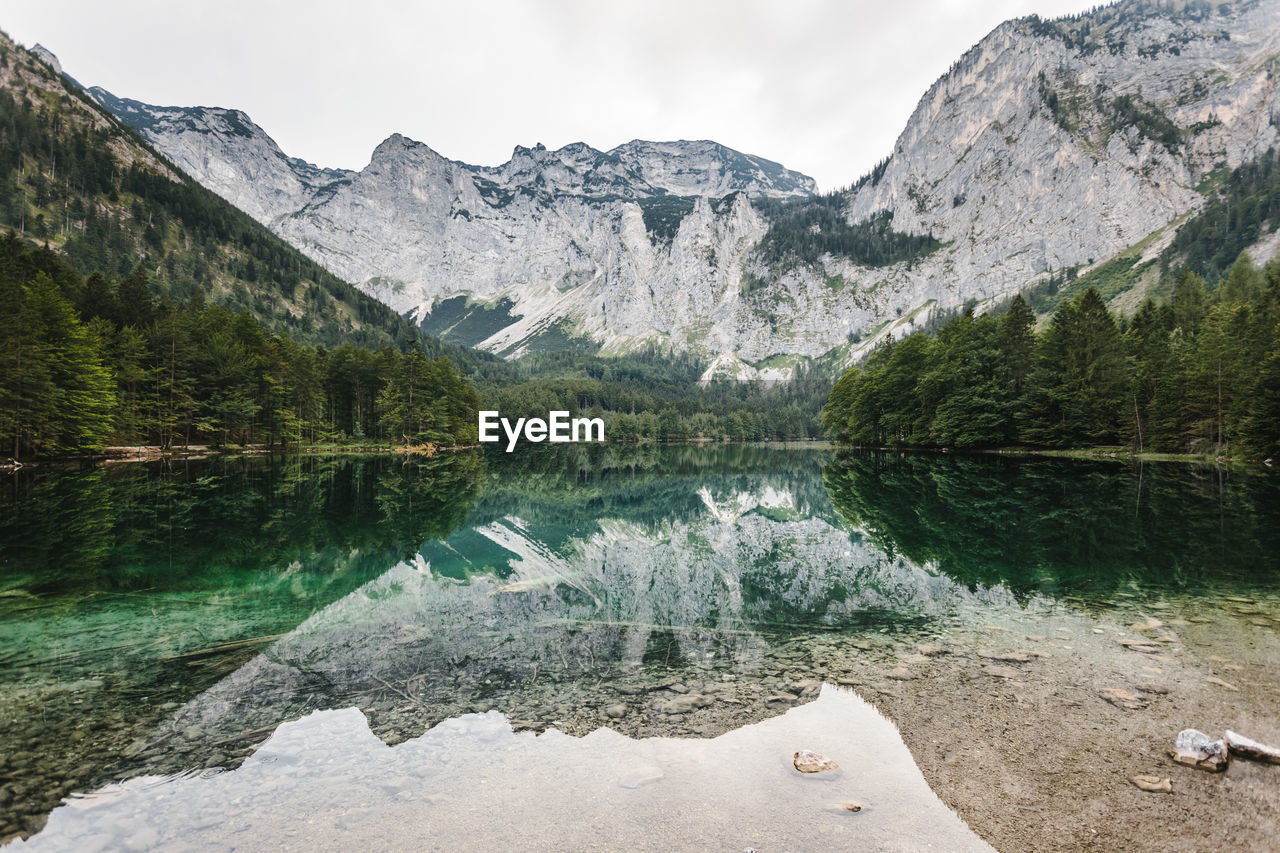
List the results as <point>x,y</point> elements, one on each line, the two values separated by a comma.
<point>1153,784</point>
<point>1244,747</point>
<point>1123,699</point>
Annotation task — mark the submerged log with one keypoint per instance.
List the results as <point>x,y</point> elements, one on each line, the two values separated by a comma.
<point>224,647</point>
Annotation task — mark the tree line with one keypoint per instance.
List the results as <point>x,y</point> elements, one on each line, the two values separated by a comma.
<point>1233,218</point>
<point>802,230</point>
<point>1197,373</point>
<point>87,362</point>
<point>655,394</point>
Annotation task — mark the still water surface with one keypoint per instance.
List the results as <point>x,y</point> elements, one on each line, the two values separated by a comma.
<point>588,648</point>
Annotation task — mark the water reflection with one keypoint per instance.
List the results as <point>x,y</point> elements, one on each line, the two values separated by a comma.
<point>578,630</point>
<point>125,591</point>
<point>682,592</point>
<point>1066,527</point>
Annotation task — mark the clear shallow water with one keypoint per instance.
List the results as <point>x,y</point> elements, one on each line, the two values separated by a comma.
<point>471,783</point>
<point>166,619</point>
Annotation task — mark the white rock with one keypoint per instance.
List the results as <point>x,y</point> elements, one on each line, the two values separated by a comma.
<point>1196,749</point>
<point>1246,748</point>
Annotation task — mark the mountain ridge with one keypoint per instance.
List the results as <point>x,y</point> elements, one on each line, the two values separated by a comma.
<point>1048,146</point>
<point>75,178</point>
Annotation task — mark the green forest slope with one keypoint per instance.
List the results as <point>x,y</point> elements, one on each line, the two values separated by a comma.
<point>1197,373</point>
<point>75,179</point>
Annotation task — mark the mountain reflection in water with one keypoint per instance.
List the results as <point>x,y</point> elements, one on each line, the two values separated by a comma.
<point>661,592</point>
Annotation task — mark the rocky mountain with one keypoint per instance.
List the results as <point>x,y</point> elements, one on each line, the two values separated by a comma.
<point>1056,144</point>
<point>79,181</point>
<point>1049,146</point>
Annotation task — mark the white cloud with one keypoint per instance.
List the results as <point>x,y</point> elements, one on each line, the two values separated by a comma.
<point>822,87</point>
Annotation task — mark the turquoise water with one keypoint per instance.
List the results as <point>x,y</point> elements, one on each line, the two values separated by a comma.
<point>165,618</point>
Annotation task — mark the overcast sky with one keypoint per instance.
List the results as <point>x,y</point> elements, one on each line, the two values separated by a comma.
<point>821,87</point>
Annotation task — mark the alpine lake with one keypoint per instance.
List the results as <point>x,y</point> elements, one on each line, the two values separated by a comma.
<point>623,648</point>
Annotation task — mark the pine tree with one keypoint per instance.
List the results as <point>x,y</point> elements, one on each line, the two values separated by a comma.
<point>134,303</point>
<point>1019,341</point>
<point>1243,283</point>
<point>1190,297</point>
<point>65,393</point>
<point>1263,426</point>
<point>1080,381</point>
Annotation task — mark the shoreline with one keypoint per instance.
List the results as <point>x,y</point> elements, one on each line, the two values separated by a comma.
<point>1100,454</point>
<point>154,453</point>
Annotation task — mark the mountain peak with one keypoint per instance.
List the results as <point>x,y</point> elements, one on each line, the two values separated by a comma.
<point>398,146</point>
<point>47,56</point>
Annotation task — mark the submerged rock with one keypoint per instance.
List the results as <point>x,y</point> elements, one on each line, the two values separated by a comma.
<point>684,704</point>
<point>1196,749</point>
<point>1018,656</point>
<point>1153,784</point>
<point>808,761</point>
<point>638,777</point>
<point>1122,698</point>
<point>1147,647</point>
<point>1244,747</point>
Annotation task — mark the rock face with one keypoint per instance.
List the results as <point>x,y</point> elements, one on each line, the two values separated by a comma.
<point>1196,749</point>
<point>1048,145</point>
<point>1020,158</point>
<point>229,154</point>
